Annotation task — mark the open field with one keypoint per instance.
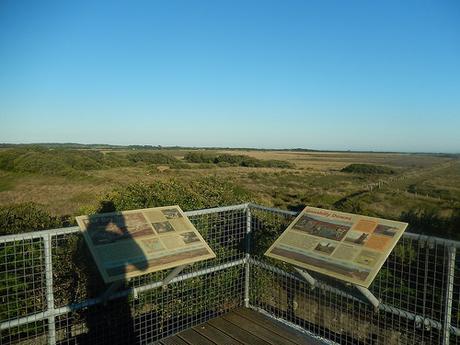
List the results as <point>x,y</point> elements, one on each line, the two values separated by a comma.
<point>419,182</point>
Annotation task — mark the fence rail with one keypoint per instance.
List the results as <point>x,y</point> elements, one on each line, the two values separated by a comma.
<point>50,292</point>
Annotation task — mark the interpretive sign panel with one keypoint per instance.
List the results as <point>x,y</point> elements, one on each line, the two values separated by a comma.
<point>345,246</point>
<point>132,243</point>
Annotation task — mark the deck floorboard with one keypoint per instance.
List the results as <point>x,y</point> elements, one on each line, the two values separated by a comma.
<point>240,327</point>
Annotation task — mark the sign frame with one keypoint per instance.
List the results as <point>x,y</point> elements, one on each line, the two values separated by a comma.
<point>173,225</point>
<point>321,254</point>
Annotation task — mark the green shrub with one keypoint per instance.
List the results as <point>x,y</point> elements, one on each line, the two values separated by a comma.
<point>60,162</point>
<point>367,169</point>
<point>226,160</point>
<point>151,158</point>
<point>429,190</point>
<point>15,219</point>
<point>429,222</point>
<point>22,262</point>
<point>201,193</point>
<point>198,157</point>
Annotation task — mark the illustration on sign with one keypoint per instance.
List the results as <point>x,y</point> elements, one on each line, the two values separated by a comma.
<point>345,246</point>
<point>132,243</point>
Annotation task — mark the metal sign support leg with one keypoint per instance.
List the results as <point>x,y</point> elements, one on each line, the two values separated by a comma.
<point>305,275</point>
<point>369,296</point>
<point>172,275</point>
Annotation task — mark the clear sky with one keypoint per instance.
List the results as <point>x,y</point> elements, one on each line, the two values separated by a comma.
<point>362,75</point>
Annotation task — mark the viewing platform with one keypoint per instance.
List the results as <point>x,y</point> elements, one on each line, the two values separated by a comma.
<point>241,326</point>
<point>51,292</point>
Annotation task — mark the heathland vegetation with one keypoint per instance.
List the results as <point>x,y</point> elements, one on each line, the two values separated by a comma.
<point>367,169</point>
<point>47,185</point>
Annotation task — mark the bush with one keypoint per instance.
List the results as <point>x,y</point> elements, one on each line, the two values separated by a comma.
<point>429,222</point>
<point>198,157</point>
<point>60,162</point>
<point>15,219</point>
<point>151,158</point>
<point>429,190</point>
<point>201,193</point>
<point>22,262</point>
<point>225,160</point>
<point>367,169</point>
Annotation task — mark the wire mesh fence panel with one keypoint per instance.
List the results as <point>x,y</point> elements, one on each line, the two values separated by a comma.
<point>22,286</point>
<point>418,286</point>
<point>455,317</point>
<point>412,287</point>
<point>139,311</point>
<point>35,332</point>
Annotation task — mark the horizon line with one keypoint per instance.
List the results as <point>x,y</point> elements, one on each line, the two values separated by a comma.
<point>300,149</point>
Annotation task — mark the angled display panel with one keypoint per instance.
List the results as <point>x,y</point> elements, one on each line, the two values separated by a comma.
<point>345,246</point>
<point>132,243</point>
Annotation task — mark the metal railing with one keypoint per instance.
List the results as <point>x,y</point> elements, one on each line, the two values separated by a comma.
<point>51,293</point>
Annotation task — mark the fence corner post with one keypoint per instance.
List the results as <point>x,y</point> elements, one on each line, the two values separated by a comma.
<point>247,257</point>
<point>449,292</point>
<point>47,245</point>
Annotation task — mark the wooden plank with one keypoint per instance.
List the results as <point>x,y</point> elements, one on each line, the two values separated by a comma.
<point>174,340</point>
<point>236,332</point>
<point>194,338</point>
<point>275,326</point>
<point>256,329</point>
<point>215,335</point>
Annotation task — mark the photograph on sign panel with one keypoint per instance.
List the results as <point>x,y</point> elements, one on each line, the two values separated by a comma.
<point>326,247</point>
<point>109,229</point>
<point>357,237</point>
<point>322,227</point>
<point>189,237</point>
<point>324,263</point>
<point>171,213</point>
<point>385,230</point>
<point>162,227</point>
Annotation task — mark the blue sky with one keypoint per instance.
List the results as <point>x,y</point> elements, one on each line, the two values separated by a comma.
<point>360,75</point>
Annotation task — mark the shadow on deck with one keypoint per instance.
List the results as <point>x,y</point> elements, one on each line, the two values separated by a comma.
<point>241,326</point>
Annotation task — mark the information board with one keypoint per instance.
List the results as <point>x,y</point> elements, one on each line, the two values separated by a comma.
<point>345,246</point>
<point>132,243</point>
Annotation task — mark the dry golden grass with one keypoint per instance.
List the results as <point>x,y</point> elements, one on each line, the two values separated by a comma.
<point>326,161</point>
<point>316,180</point>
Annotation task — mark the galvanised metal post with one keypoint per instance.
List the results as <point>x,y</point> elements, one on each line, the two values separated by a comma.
<point>49,289</point>
<point>248,249</point>
<point>449,292</point>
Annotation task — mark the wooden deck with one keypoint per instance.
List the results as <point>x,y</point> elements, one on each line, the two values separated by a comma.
<point>242,326</point>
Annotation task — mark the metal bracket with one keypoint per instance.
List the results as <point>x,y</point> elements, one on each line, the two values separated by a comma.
<point>172,275</point>
<point>369,296</point>
<point>116,285</point>
<point>305,275</point>
<point>365,292</point>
